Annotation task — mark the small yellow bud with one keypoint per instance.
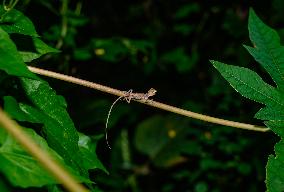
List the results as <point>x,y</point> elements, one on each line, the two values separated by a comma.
<point>100,51</point>
<point>172,133</point>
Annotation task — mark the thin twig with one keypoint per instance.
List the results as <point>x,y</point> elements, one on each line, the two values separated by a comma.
<point>152,103</point>
<point>48,163</point>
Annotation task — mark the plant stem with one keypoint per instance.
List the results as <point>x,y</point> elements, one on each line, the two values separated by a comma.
<point>151,103</point>
<point>64,23</point>
<point>49,164</point>
<point>8,7</point>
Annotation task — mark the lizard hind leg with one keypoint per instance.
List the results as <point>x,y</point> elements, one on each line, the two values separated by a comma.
<point>128,95</point>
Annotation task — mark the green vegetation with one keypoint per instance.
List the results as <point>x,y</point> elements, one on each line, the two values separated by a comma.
<point>138,45</point>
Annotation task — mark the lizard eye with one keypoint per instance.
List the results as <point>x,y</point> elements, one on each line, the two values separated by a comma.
<point>152,91</point>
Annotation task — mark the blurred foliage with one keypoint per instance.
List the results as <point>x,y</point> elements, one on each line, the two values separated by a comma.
<point>165,45</point>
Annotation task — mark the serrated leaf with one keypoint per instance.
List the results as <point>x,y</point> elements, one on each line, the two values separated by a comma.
<point>16,22</point>
<point>269,53</point>
<point>267,49</point>
<point>41,48</point>
<point>23,170</point>
<point>250,85</point>
<point>270,113</point>
<point>275,169</point>
<point>277,126</point>
<point>11,62</point>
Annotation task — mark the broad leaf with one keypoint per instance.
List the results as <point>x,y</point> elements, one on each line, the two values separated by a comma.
<point>88,146</point>
<point>12,107</point>
<point>54,188</point>
<point>161,140</point>
<point>11,61</point>
<point>186,10</point>
<point>267,49</point>
<point>180,59</point>
<point>270,113</point>
<point>275,169</point>
<point>16,22</point>
<point>40,48</point>
<point>249,84</point>
<point>111,50</point>
<point>22,169</point>
<point>270,54</point>
<point>58,126</point>
<point>276,126</point>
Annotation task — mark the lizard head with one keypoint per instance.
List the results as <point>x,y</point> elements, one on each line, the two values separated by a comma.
<point>152,92</point>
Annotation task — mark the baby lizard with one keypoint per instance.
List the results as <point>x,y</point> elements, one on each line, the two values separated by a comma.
<point>128,95</point>
<point>139,96</point>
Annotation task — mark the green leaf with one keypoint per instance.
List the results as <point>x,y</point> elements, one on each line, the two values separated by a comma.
<point>11,62</point>
<point>276,126</point>
<point>180,59</point>
<point>23,170</point>
<point>269,53</point>
<point>58,126</point>
<point>161,139</point>
<point>12,107</point>
<point>201,187</point>
<point>267,49</point>
<point>186,10</point>
<point>249,84</point>
<point>275,169</point>
<point>54,188</point>
<point>40,49</point>
<point>88,146</point>
<point>16,22</point>
<point>270,113</point>
<point>183,28</point>
<point>111,50</point>
<point>82,54</point>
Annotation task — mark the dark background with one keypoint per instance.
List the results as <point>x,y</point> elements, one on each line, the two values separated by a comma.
<point>165,45</point>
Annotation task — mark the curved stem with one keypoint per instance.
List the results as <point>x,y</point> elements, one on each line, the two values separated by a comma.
<point>8,7</point>
<point>152,103</point>
<point>11,4</point>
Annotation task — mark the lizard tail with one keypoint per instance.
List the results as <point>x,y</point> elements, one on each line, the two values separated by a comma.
<point>108,115</point>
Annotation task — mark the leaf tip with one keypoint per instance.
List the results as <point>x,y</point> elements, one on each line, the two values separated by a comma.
<point>212,61</point>
<point>215,63</point>
<point>253,18</point>
<point>251,11</point>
